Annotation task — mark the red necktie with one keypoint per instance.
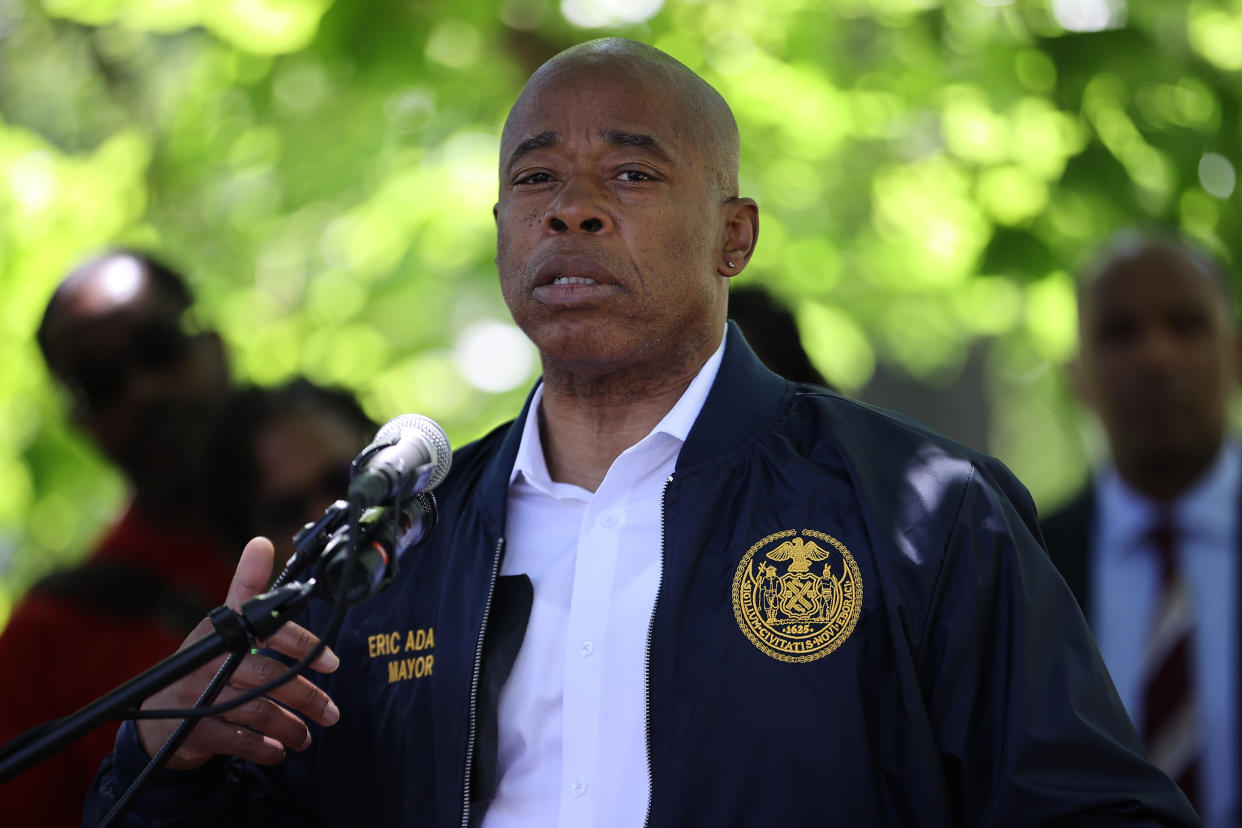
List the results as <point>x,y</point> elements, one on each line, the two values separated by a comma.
<point>1170,717</point>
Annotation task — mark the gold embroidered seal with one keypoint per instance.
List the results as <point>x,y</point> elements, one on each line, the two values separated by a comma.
<point>790,608</point>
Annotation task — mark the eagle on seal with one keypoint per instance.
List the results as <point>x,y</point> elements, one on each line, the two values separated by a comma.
<point>801,553</point>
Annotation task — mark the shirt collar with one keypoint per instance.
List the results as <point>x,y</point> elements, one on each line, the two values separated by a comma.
<point>532,466</point>
<point>1205,512</point>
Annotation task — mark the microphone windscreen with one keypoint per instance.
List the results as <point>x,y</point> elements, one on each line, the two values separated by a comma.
<point>430,433</point>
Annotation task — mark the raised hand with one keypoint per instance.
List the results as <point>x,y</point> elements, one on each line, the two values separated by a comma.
<point>260,729</point>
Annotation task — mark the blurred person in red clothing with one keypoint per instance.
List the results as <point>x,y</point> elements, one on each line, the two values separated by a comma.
<point>144,389</point>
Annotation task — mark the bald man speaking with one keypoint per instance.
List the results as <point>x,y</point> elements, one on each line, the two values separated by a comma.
<point>677,590</point>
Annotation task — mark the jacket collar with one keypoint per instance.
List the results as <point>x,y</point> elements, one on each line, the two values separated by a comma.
<point>745,397</point>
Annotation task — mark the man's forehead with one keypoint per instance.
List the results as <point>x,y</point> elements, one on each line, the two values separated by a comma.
<point>608,136</point>
<point>624,88</point>
<point>1153,278</point>
<point>110,301</point>
<point>598,101</point>
<point>106,286</point>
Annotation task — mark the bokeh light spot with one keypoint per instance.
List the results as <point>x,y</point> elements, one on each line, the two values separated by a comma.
<point>1089,15</point>
<point>454,43</point>
<point>1217,175</point>
<point>494,356</point>
<point>836,345</point>
<point>595,14</point>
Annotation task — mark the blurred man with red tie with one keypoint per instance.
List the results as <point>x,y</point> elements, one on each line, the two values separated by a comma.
<point>1151,546</point>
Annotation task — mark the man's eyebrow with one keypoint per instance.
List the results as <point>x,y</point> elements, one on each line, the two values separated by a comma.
<point>547,138</point>
<point>620,138</point>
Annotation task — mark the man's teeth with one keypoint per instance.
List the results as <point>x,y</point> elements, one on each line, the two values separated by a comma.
<point>572,280</point>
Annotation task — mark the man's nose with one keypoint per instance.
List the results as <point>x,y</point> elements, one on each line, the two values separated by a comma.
<point>579,206</point>
<point>1161,351</point>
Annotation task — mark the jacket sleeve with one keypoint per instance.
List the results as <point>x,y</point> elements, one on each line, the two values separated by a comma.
<point>222,793</point>
<point>1030,728</point>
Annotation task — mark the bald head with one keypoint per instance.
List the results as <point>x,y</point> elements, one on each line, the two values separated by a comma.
<point>141,386</point>
<point>101,285</point>
<point>618,223</point>
<point>1131,250</point>
<point>705,117</point>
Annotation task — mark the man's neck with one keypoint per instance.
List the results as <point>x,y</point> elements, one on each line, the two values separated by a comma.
<point>585,425</point>
<point>1167,480</point>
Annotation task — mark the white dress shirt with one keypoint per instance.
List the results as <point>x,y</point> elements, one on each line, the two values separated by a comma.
<point>1125,584</point>
<point>573,713</point>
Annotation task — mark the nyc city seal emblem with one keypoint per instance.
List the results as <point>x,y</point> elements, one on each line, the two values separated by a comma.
<point>797,595</point>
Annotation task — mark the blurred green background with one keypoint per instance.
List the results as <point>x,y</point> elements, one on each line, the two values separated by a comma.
<point>928,174</point>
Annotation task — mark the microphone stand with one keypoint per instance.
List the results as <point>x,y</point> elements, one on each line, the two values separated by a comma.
<point>235,632</point>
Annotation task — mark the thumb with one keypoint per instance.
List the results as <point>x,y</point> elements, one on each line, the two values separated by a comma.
<point>254,572</point>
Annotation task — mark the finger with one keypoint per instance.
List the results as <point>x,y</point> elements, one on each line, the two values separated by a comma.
<point>296,641</point>
<point>180,694</point>
<point>254,572</point>
<point>216,736</point>
<point>263,715</point>
<point>298,693</point>
<point>282,727</point>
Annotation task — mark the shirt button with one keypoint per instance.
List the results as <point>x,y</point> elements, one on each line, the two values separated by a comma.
<point>578,787</point>
<point>608,520</point>
<point>585,648</point>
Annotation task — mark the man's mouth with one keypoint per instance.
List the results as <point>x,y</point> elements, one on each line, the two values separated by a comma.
<point>589,283</point>
<point>564,270</point>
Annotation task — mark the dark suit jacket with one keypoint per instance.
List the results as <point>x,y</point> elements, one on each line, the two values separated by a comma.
<point>1067,534</point>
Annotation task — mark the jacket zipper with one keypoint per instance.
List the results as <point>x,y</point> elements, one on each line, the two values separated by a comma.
<point>474,687</point>
<point>647,660</point>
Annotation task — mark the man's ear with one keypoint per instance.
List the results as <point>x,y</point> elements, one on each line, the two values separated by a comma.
<point>741,232</point>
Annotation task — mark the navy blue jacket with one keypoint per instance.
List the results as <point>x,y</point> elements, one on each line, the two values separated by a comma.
<point>856,624</point>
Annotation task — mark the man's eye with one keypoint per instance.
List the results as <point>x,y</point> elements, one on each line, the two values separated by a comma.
<point>534,178</point>
<point>1188,323</point>
<point>1117,331</point>
<point>635,176</point>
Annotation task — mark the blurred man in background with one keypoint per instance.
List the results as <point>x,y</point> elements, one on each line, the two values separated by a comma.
<point>1150,547</point>
<point>144,390</point>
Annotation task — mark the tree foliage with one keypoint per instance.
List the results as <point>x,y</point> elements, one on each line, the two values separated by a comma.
<point>928,172</point>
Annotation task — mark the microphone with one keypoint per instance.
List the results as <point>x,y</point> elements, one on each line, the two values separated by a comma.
<point>383,533</point>
<point>409,454</point>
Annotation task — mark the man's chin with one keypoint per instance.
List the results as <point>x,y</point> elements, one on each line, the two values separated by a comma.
<point>573,336</point>
<point>1167,452</point>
